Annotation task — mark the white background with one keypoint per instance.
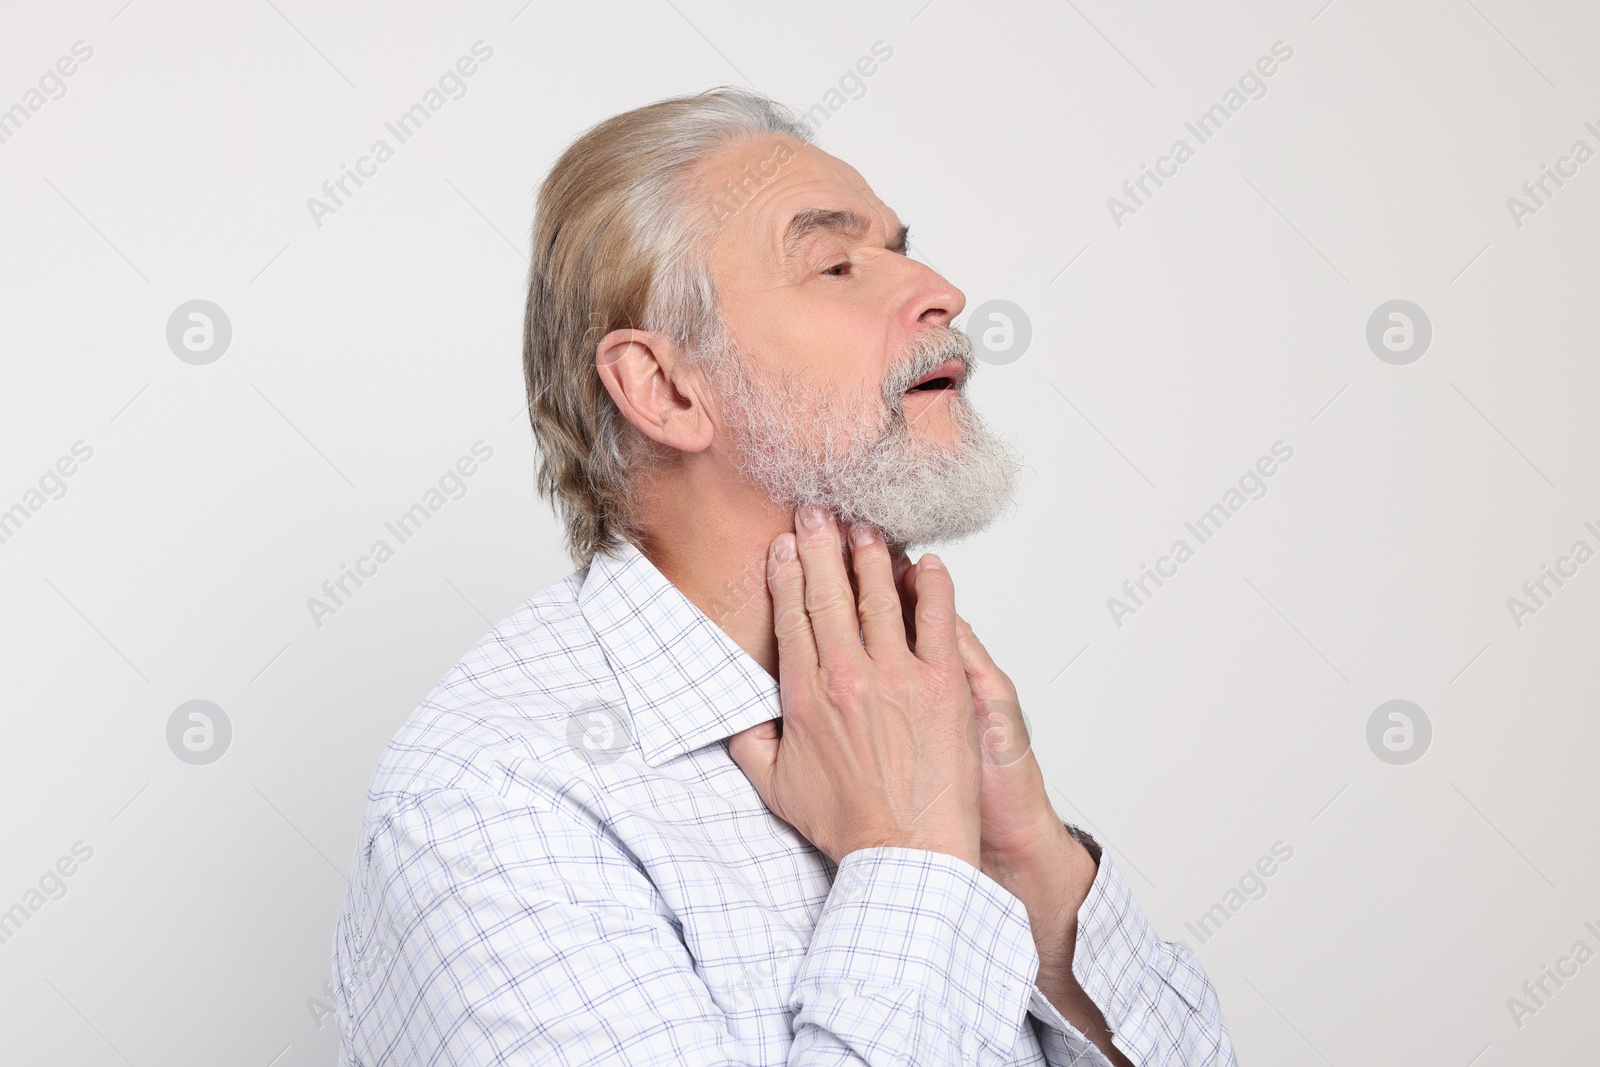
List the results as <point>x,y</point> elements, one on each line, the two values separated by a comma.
<point>1228,313</point>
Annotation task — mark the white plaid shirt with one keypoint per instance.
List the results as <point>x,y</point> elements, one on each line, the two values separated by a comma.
<point>560,863</point>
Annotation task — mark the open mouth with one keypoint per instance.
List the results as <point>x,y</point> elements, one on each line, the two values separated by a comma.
<point>947,375</point>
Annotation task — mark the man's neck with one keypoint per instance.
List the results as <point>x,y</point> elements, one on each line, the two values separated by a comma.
<point>710,539</point>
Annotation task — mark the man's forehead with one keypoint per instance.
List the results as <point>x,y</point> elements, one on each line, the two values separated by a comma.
<point>809,192</point>
<point>812,220</point>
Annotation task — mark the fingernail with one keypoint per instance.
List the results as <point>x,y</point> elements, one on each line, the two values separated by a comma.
<point>862,535</point>
<point>783,548</point>
<point>812,517</point>
<point>929,560</point>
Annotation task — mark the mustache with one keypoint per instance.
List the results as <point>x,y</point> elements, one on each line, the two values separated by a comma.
<point>925,354</point>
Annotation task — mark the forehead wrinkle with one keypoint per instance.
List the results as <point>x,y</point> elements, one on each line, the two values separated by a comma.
<point>808,221</point>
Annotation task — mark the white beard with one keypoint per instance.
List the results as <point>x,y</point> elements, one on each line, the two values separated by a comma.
<point>862,459</point>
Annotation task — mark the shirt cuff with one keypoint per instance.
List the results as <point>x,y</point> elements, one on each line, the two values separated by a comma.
<point>907,920</point>
<point>1123,966</point>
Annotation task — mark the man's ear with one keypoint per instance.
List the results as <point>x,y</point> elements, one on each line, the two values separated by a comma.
<point>655,388</point>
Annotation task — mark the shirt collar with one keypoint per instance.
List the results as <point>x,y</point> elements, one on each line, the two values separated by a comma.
<point>685,681</point>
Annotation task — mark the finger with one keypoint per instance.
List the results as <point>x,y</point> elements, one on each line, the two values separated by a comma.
<point>907,579</point>
<point>1006,737</point>
<point>756,752</point>
<point>983,673</point>
<point>902,562</point>
<point>974,656</point>
<point>878,602</point>
<point>797,651</point>
<point>935,612</point>
<point>829,601</point>
<point>984,678</point>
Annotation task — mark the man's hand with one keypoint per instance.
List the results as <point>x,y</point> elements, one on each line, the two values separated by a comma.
<point>1017,814</point>
<point>879,739</point>
<point>1025,846</point>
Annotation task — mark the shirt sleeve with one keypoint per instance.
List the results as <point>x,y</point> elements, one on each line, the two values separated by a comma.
<point>918,957</point>
<point>1161,1008</point>
<point>477,931</point>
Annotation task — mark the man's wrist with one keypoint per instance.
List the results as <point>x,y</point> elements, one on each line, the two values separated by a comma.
<point>1086,839</point>
<point>1052,878</point>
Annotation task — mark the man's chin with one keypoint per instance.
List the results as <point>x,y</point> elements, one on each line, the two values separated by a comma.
<point>943,534</point>
<point>928,525</point>
<point>918,482</point>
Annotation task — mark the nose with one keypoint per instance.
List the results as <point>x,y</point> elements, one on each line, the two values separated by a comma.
<point>931,300</point>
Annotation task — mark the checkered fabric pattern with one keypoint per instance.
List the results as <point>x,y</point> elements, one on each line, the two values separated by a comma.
<point>559,863</point>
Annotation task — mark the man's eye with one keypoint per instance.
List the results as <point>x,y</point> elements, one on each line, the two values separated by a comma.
<point>838,269</point>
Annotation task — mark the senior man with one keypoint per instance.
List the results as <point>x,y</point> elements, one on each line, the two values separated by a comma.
<point>744,788</point>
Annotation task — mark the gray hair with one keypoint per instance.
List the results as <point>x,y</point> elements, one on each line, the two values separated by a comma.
<point>619,241</point>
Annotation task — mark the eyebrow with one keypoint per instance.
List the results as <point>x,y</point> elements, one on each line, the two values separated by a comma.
<point>813,220</point>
